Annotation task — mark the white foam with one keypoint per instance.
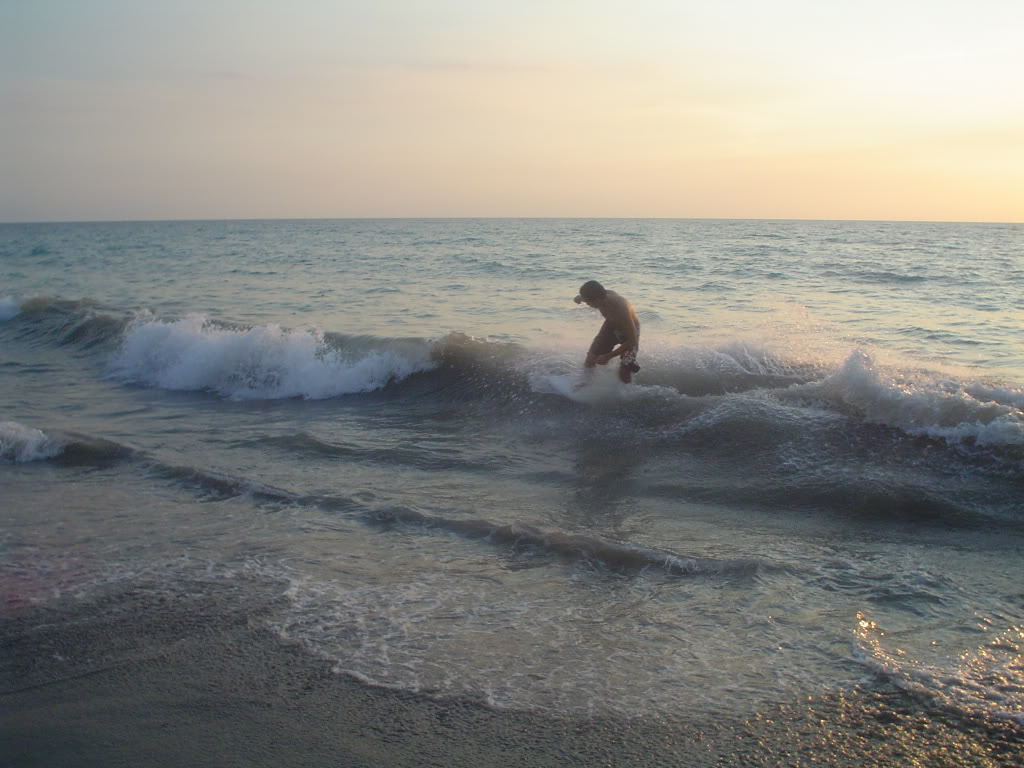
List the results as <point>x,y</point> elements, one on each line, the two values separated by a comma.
<point>599,386</point>
<point>20,444</point>
<point>440,634</point>
<point>9,307</point>
<point>988,681</point>
<point>264,362</point>
<point>583,387</point>
<point>1005,395</point>
<point>923,404</point>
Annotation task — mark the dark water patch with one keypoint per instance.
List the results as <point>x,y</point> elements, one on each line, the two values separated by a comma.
<point>716,286</point>
<point>845,498</point>
<point>465,352</point>
<point>883,277</point>
<point>28,369</point>
<point>87,451</point>
<point>219,486</point>
<point>932,334</point>
<point>879,504</point>
<point>921,593</point>
<point>756,451</point>
<point>422,456</point>
<point>467,368</point>
<point>80,323</point>
<point>614,555</point>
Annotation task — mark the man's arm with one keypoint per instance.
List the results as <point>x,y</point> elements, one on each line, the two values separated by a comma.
<point>619,350</point>
<point>592,357</point>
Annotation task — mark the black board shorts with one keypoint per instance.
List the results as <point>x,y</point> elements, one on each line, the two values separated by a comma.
<point>605,342</point>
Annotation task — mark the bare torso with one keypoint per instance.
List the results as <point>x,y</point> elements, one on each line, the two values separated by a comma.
<point>621,317</point>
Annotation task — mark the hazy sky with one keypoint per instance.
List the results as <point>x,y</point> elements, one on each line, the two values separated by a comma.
<point>131,109</point>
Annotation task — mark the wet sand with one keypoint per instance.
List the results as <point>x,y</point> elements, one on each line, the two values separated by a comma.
<point>154,676</point>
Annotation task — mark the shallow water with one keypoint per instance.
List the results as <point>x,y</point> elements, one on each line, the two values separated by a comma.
<point>818,478</point>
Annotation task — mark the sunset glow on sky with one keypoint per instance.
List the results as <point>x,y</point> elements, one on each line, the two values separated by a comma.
<point>130,109</point>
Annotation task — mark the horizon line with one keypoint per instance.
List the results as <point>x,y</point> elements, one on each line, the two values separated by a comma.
<point>499,218</point>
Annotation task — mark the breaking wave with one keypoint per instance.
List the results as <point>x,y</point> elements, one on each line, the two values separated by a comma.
<point>9,307</point>
<point>20,444</point>
<point>199,353</point>
<point>262,362</point>
<point>923,404</point>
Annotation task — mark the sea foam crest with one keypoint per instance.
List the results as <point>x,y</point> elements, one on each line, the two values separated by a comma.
<point>20,444</point>
<point>920,404</point>
<point>9,307</point>
<point>263,362</point>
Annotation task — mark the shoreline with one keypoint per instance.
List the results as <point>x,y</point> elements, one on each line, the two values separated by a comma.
<point>139,677</point>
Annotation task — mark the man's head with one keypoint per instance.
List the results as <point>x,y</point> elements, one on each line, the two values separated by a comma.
<point>591,292</point>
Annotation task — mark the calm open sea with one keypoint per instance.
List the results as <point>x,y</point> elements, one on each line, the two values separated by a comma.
<point>817,480</point>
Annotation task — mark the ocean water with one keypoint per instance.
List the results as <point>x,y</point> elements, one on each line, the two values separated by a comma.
<point>817,480</point>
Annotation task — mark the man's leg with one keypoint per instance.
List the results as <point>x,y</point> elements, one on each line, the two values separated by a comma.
<point>603,343</point>
<point>628,366</point>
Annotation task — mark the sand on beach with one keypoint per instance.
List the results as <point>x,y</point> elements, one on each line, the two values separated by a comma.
<point>139,677</point>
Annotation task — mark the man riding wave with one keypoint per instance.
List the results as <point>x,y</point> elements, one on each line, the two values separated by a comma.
<point>620,333</point>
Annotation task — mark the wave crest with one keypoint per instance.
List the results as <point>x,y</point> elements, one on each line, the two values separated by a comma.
<point>262,362</point>
<point>923,405</point>
<point>20,444</point>
<point>197,353</point>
